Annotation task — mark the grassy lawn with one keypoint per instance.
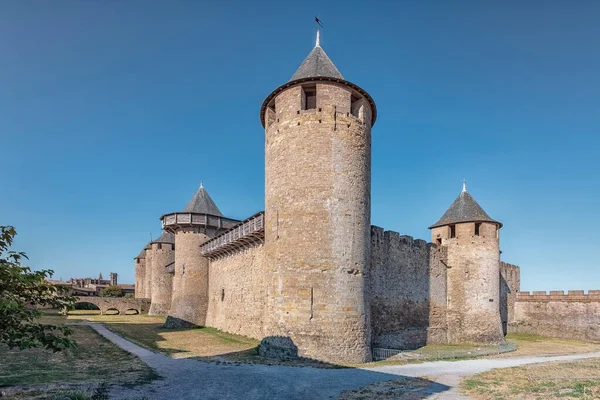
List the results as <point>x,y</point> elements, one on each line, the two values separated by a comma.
<point>552,380</point>
<point>528,345</point>
<point>27,374</point>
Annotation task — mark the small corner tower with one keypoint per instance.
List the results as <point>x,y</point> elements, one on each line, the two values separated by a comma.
<point>199,221</point>
<point>318,211</point>
<point>472,241</point>
<point>140,273</point>
<point>163,254</point>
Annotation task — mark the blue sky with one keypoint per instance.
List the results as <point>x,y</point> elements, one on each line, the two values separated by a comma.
<point>112,112</point>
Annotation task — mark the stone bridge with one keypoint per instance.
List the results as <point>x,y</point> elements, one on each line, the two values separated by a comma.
<point>121,304</point>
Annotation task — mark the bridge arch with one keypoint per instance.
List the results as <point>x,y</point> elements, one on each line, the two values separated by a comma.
<point>121,304</point>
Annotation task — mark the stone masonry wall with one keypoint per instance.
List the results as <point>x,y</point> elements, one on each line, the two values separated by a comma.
<point>162,281</point>
<point>317,224</point>
<point>407,291</point>
<point>473,284</point>
<point>575,315</point>
<point>140,278</point>
<point>237,292</point>
<point>189,301</point>
<point>148,276</point>
<point>510,284</point>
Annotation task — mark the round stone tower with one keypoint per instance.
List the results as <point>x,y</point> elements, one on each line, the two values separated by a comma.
<point>318,211</point>
<point>148,274</point>
<point>163,254</point>
<point>473,277</point>
<point>199,221</point>
<point>140,273</point>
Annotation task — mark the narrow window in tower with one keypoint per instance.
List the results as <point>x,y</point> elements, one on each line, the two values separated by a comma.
<point>222,294</point>
<point>439,241</point>
<point>309,97</point>
<point>355,106</point>
<point>477,226</point>
<point>160,246</point>
<point>270,114</point>
<point>452,231</point>
<point>137,260</point>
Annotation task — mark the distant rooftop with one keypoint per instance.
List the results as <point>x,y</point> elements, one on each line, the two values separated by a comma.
<point>165,237</point>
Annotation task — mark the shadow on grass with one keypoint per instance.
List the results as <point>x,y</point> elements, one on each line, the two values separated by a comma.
<point>234,365</point>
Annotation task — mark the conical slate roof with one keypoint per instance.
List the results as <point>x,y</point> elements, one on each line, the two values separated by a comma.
<point>464,209</point>
<point>317,64</point>
<point>166,237</point>
<point>318,67</point>
<point>201,203</point>
<point>143,252</point>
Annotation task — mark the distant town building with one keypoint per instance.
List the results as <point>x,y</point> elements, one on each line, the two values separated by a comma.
<point>93,286</point>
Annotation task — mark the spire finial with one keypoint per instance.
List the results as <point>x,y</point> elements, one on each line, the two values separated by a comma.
<point>319,26</point>
<point>464,185</point>
<point>201,184</point>
<point>318,43</point>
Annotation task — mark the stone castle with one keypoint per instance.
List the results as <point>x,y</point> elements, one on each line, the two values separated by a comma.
<point>311,267</point>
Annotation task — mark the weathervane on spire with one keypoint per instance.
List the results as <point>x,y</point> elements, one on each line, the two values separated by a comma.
<point>319,26</point>
<point>464,185</point>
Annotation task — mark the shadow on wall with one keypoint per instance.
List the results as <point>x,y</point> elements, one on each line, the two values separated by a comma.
<point>504,293</point>
<point>177,323</point>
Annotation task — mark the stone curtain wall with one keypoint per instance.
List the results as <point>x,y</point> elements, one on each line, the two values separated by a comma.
<point>236,293</point>
<point>574,315</point>
<point>407,291</point>
<point>510,284</point>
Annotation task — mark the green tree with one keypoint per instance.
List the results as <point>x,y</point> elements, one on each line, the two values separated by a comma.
<point>21,291</point>
<point>111,291</point>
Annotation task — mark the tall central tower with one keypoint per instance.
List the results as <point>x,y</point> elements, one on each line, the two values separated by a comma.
<point>318,211</point>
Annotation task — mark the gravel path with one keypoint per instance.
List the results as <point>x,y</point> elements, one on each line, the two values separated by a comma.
<point>193,379</point>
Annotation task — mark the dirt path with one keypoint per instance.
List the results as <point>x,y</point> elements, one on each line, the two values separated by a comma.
<point>192,379</point>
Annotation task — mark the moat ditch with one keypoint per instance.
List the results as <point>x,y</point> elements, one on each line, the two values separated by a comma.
<point>441,352</point>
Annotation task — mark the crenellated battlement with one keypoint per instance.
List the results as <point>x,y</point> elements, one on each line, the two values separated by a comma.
<point>559,295</point>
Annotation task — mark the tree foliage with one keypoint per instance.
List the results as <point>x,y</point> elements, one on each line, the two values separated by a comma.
<point>21,292</point>
<point>111,291</point>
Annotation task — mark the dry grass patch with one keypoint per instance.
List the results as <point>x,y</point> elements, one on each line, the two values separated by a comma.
<point>95,360</point>
<point>399,389</point>
<point>553,380</point>
<point>528,345</point>
<point>203,343</point>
